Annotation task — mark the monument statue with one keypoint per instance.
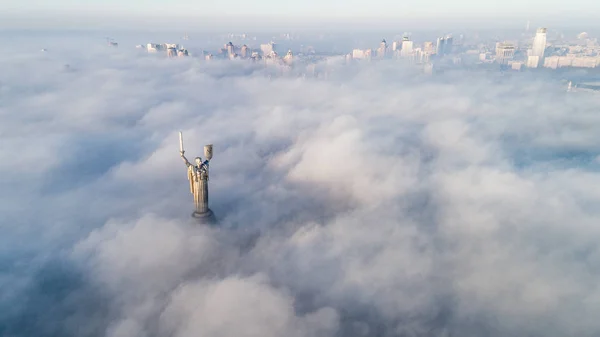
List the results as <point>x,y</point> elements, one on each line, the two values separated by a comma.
<point>198,177</point>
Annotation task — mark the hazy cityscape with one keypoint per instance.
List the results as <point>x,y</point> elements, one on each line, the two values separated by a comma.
<point>533,50</point>
<point>305,169</point>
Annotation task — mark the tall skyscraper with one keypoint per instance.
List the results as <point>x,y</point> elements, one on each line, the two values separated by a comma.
<point>449,45</point>
<point>533,61</point>
<point>230,49</point>
<point>407,47</point>
<point>444,45</point>
<point>244,51</point>
<point>439,46</point>
<point>288,58</point>
<point>381,51</point>
<point>539,43</point>
<point>417,55</point>
<point>536,55</point>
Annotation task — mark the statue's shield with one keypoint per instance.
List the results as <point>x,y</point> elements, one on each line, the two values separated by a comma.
<point>208,151</point>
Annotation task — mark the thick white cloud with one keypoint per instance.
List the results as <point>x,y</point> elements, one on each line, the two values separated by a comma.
<point>378,202</point>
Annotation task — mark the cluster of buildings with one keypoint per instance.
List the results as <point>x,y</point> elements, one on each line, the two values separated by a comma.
<point>171,49</point>
<point>443,45</point>
<point>536,52</point>
<point>405,49</point>
<point>581,53</point>
<point>267,53</point>
<point>527,51</point>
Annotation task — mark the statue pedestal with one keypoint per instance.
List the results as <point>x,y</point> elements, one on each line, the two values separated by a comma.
<point>206,217</point>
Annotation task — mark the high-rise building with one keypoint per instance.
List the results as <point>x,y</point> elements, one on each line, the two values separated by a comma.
<point>271,58</point>
<point>417,56</point>
<point>230,49</point>
<point>288,58</point>
<point>428,47</point>
<point>381,51</point>
<point>358,54</point>
<point>449,45</point>
<point>505,52</point>
<point>267,48</point>
<point>244,51</point>
<point>439,46</point>
<point>171,52</point>
<point>182,53</point>
<point>152,48</point>
<point>539,43</point>
<point>361,54</point>
<point>395,46</point>
<point>533,61</point>
<point>407,47</point>
<point>444,45</point>
<point>536,55</point>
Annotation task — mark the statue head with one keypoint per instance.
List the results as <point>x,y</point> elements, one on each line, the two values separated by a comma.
<point>198,161</point>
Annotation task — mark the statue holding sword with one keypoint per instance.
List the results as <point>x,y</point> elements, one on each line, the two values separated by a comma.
<point>198,177</point>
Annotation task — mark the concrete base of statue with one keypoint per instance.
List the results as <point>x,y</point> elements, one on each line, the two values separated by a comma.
<point>207,217</point>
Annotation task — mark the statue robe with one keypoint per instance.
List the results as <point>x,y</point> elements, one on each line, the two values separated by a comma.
<point>198,177</point>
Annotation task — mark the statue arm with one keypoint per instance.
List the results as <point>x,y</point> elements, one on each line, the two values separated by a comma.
<point>187,162</point>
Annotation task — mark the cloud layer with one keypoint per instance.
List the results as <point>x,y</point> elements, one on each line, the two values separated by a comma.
<point>378,202</point>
